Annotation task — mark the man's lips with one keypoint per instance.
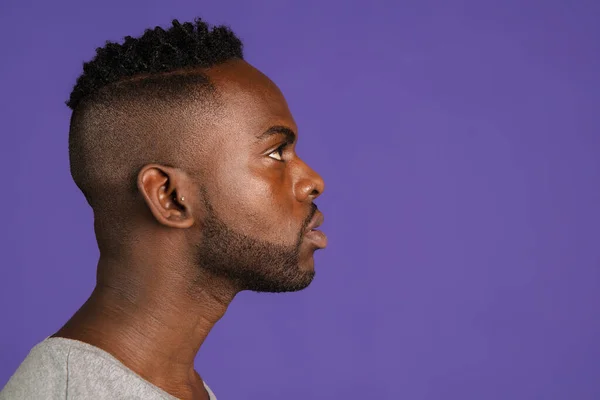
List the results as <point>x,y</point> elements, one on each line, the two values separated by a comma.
<point>318,238</point>
<point>316,221</point>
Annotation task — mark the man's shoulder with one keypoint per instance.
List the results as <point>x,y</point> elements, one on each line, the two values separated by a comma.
<point>64,368</point>
<point>43,374</point>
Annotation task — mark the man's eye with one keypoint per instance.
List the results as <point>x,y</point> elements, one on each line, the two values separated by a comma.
<point>279,152</point>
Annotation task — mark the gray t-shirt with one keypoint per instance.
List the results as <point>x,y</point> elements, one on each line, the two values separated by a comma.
<point>59,368</point>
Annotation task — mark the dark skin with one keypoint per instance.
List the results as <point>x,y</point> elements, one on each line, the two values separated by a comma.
<point>241,227</point>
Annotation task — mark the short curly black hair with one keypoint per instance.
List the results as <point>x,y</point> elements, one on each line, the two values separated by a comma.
<point>130,101</point>
<point>182,46</point>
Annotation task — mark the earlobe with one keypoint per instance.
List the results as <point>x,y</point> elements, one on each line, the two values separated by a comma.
<point>161,188</point>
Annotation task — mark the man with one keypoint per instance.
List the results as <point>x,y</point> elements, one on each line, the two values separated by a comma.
<point>185,153</point>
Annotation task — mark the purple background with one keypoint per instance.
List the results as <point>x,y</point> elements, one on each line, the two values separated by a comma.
<point>459,142</point>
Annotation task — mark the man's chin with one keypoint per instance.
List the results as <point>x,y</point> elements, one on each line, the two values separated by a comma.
<point>295,285</point>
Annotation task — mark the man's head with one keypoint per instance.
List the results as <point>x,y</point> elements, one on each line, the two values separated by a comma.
<point>181,147</point>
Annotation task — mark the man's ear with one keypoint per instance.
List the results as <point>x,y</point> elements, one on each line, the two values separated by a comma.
<point>163,189</point>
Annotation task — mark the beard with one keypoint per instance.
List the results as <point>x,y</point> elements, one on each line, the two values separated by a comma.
<point>249,263</point>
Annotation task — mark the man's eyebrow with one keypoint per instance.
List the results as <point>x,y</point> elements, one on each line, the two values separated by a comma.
<point>289,134</point>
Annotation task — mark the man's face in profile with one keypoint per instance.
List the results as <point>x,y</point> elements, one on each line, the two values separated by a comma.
<point>258,200</point>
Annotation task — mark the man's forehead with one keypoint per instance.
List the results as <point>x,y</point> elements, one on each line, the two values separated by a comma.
<point>248,94</point>
<point>241,74</point>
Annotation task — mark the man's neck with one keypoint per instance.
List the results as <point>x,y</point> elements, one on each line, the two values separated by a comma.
<point>155,329</point>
